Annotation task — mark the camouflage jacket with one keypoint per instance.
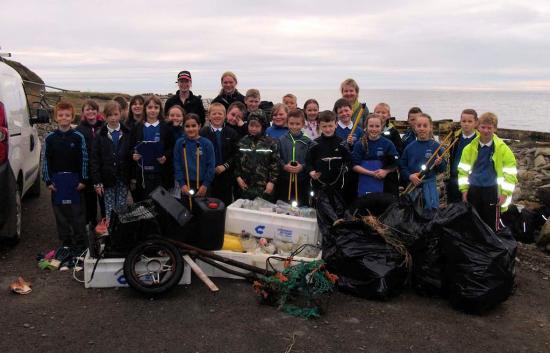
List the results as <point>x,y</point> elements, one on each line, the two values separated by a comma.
<point>257,163</point>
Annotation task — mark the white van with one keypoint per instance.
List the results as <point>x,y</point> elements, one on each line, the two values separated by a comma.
<point>19,152</point>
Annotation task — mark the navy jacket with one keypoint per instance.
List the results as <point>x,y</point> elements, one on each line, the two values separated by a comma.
<point>107,164</point>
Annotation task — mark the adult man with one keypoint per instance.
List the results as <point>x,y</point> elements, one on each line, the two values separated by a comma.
<point>185,98</point>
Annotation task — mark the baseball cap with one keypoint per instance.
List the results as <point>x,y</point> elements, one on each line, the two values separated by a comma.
<point>184,75</point>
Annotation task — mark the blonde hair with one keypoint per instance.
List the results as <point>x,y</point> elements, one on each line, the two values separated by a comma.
<point>278,107</point>
<point>488,118</point>
<point>252,93</point>
<point>216,105</point>
<point>230,74</point>
<point>290,95</point>
<point>349,82</point>
<point>383,105</point>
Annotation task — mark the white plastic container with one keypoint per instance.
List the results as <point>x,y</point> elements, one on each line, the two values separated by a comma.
<point>258,260</point>
<point>271,225</point>
<point>109,273</point>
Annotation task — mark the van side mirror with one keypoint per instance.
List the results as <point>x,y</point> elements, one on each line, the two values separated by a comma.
<point>42,116</point>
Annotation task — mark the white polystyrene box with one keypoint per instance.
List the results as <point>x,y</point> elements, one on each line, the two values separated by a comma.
<point>271,225</point>
<point>109,273</point>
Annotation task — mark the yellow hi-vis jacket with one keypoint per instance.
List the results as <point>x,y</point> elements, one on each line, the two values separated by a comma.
<point>503,161</point>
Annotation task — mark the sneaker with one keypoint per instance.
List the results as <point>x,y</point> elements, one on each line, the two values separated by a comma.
<point>102,227</point>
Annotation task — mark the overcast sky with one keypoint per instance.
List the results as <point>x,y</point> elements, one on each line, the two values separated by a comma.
<point>139,46</point>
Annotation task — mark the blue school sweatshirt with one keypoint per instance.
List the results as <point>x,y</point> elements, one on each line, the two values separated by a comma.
<point>483,173</point>
<point>463,142</point>
<point>276,132</point>
<point>416,154</point>
<point>343,132</point>
<point>381,149</point>
<point>207,162</point>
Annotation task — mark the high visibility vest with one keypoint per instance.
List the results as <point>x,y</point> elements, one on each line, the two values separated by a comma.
<point>504,163</point>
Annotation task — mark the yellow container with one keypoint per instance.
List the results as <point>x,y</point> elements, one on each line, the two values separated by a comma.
<point>232,242</point>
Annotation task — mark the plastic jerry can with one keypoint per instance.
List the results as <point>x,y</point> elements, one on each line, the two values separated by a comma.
<point>210,228</point>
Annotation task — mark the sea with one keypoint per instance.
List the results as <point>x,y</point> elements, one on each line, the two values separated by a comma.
<point>523,110</point>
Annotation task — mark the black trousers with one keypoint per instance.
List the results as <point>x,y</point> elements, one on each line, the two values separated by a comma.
<point>70,222</point>
<point>222,188</point>
<point>453,193</point>
<point>485,200</point>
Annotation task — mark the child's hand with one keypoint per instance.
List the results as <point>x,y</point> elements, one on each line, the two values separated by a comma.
<point>501,200</point>
<point>269,188</point>
<point>136,156</point>
<point>294,169</point>
<point>185,189</point>
<point>220,169</point>
<point>465,196</point>
<point>241,183</point>
<point>414,178</point>
<point>202,191</point>
<point>438,161</point>
<point>52,188</point>
<point>80,187</point>
<point>133,183</point>
<point>314,175</point>
<point>350,139</point>
<point>161,160</point>
<point>99,190</point>
<point>380,173</point>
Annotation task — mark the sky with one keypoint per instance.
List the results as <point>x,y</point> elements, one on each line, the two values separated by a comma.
<point>140,46</point>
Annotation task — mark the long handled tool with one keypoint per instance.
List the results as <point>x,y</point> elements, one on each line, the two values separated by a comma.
<point>187,174</point>
<point>356,122</point>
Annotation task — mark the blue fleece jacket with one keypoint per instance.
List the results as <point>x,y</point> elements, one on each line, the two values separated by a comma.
<point>207,161</point>
<point>276,132</point>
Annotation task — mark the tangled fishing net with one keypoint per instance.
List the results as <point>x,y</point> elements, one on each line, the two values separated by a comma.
<point>301,290</point>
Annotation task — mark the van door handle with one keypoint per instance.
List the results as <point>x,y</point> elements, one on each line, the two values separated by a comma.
<point>32,143</point>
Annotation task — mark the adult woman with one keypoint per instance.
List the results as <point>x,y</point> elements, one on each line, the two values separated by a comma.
<point>229,92</point>
<point>350,92</point>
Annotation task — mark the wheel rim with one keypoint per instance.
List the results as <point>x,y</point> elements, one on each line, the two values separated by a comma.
<point>18,217</point>
<point>154,266</point>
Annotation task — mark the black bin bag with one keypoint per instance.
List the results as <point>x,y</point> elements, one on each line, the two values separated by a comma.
<point>365,264</point>
<point>412,225</point>
<point>480,264</point>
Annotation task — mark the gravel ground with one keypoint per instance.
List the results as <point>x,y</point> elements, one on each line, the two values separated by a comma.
<point>60,315</point>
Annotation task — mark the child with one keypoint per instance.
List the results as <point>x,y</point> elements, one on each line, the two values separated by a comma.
<point>328,156</point>
<point>414,159</point>
<point>487,172</point>
<point>110,162</point>
<point>175,120</point>
<point>89,127</point>
<point>350,92</point>
<point>225,140</point>
<point>123,107</point>
<point>311,127</point>
<point>409,135</point>
<point>466,134</point>
<point>65,172</point>
<point>343,110</point>
<point>257,163</point>
<point>154,138</point>
<point>252,100</point>
<point>373,157</point>
<point>194,160</point>
<point>279,121</point>
<point>235,118</point>
<point>383,110</point>
<point>290,101</point>
<point>135,114</point>
<point>293,148</point>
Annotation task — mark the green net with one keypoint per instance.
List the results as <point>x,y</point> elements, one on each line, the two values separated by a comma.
<point>301,290</point>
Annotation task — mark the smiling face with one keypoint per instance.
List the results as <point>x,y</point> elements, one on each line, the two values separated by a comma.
<point>423,128</point>
<point>137,108</point>
<point>344,114</point>
<point>374,127</point>
<point>486,132</point>
<point>90,114</point>
<point>184,85</point>
<point>152,110</point>
<point>312,111</point>
<point>175,116</point>
<point>228,84</point>
<point>64,118</point>
<point>234,115</point>
<point>295,124</point>
<point>279,118</point>
<point>349,93</point>
<point>383,113</point>
<point>216,116</point>
<point>191,127</point>
<point>252,103</point>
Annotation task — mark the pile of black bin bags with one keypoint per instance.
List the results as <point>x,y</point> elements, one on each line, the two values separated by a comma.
<point>455,255</point>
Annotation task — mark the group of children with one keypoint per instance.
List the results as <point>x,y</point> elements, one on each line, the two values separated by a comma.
<point>239,153</point>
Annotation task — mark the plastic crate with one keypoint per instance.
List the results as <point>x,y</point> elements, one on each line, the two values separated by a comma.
<point>258,260</point>
<point>109,273</point>
<point>271,225</point>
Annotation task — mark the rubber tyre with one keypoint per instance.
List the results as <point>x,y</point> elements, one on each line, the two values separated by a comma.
<point>34,190</point>
<point>147,248</point>
<point>18,217</point>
